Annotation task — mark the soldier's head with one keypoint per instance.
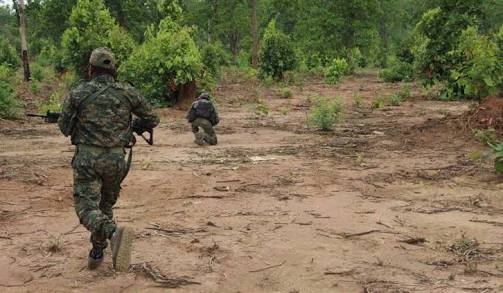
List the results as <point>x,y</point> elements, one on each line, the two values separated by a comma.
<point>204,96</point>
<point>101,62</point>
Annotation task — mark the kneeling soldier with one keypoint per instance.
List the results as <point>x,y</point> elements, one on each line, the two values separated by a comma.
<point>203,116</point>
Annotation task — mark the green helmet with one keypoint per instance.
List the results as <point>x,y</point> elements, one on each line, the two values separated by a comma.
<point>103,58</point>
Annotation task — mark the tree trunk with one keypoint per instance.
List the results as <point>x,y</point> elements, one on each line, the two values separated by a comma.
<point>186,94</point>
<point>254,52</point>
<point>24,43</point>
<point>234,44</point>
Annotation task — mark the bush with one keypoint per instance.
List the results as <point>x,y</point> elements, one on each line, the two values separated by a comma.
<point>170,56</point>
<point>276,53</point>
<point>325,113</point>
<point>498,161</point>
<point>395,100</point>
<point>479,73</point>
<point>214,57</point>
<point>398,71</point>
<point>405,92</point>
<point>92,26</point>
<point>286,93</point>
<point>336,70</point>
<point>8,55</point>
<point>378,103</point>
<point>9,105</point>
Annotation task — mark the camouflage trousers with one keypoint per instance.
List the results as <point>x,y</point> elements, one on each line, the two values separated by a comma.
<point>97,175</point>
<point>208,134</point>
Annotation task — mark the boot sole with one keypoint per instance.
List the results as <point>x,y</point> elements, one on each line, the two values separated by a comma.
<point>122,257</point>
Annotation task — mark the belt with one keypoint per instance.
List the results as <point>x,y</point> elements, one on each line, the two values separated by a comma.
<point>101,150</point>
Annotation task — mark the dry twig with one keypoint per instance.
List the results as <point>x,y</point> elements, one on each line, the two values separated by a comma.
<point>156,276</point>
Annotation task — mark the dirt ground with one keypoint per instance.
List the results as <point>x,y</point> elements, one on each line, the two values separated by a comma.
<point>391,201</point>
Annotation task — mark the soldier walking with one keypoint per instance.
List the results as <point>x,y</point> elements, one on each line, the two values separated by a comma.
<point>98,117</point>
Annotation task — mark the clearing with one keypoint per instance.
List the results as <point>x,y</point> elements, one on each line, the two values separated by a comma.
<point>390,201</point>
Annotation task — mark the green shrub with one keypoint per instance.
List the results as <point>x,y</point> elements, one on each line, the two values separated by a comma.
<point>405,92</point>
<point>277,54</point>
<point>378,103</point>
<point>485,136</point>
<point>92,26</point>
<point>336,70</point>
<point>479,73</point>
<point>261,109</point>
<point>286,93</point>
<point>397,71</point>
<point>395,100</point>
<point>357,101</point>
<point>53,104</point>
<point>325,113</point>
<point>9,105</point>
<point>166,57</point>
<point>498,161</point>
<point>8,55</point>
<point>214,57</point>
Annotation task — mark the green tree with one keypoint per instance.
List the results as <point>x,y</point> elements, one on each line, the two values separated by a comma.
<point>92,26</point>
<point>480,70</point>
<point>438,34</point>
<point>168,57</point>
<point>277,54</point>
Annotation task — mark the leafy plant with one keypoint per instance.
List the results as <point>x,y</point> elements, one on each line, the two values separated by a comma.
<point>479,72</point>
<point>395,100</point>
<point>336,70</point>
<point>485,136</point>
<point>325,113</point>
<point>398,71</point>
<point>284,111</point>
<point>92,26</point>
<point>170,56</point>
<point>405,92</point>
<point>498,161</point>
<point>277,54</point>
<point>8,55</point>
<point>262,109</point>
<point>358,101</point>
<point>378,103</point>
<point>9,105</point>
<point>214,57</point>
<point>286,93</point>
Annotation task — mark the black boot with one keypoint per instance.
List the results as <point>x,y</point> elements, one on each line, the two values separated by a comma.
<point>95,259</point>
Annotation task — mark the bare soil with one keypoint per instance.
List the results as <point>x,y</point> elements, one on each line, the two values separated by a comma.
<point>387,202</point>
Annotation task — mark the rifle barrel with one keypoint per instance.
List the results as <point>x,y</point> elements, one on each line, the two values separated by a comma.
<point>35,115</point>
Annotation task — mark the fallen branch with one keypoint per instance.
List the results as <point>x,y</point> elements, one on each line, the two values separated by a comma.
<point>267,268</point>
<point>413,240</point>
<point>158,277</point>
<point>349,235</point>
<point>383,224</point>
<point>341,273</point>
<point>228,181</point>
<point>176,230</point>
<point>200,196</point>
<point>499,224</point>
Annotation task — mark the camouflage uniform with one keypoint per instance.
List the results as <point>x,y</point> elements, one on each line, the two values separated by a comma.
<point>202,114</point>
<point>98,116</point>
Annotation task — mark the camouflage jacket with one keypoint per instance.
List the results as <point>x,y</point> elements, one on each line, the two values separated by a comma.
<point>203,108</point>
<point>106,120</point>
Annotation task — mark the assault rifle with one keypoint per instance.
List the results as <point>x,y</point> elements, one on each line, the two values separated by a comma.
<point>49,117</point>
<point>141,131</point>
<point>52,117</point>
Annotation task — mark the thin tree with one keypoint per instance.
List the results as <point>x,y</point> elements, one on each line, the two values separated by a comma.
<point>24,43</point>
<point>254,51</point>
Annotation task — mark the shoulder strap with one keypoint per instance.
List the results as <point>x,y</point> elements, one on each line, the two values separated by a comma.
<point>92,96</point>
